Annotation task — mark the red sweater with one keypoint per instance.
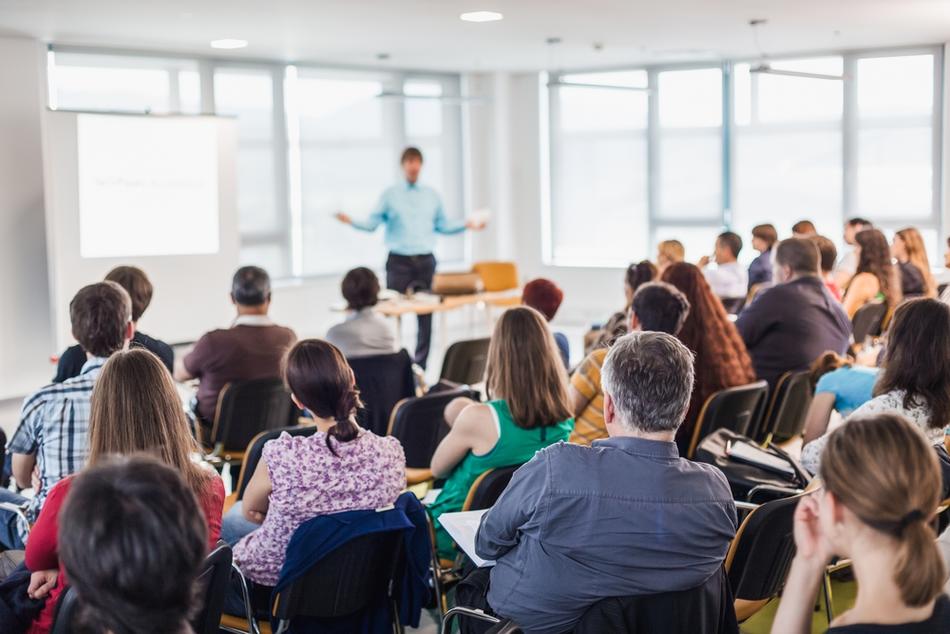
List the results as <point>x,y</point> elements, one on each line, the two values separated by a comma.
<point>42,552</point>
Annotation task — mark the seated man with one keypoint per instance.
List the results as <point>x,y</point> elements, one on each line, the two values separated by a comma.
<point>729,280</point>
<point>791,324</point>
<point>827,256</point>
<point>545,296</point>
<point>365,332</point>
<point>54,422</point>
<point>657,307</point>
<point>626,516</point>
<point>132,542</point>
<point>252,348</point>
<point>139,288</point>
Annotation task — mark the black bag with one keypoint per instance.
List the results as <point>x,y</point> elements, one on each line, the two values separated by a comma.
<point>744,477</point>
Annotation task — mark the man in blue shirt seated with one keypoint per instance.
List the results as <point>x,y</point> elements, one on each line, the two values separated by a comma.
<point>625,516</point>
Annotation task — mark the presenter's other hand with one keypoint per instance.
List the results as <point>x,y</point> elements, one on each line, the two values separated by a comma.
<point>342,217</point>
<point>475,225</point>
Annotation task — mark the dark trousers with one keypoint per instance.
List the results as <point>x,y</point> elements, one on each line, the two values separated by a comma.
<point>404,272</point>
<point>472,592</point>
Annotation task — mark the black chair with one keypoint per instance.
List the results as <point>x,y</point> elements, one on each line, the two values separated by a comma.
<point>788,407</point>
<point>487,488</point>
<point>256,448</point>
<point>383,381</point>
<point>706,609</point>
<point>738,409</point>
<point>733,305</point>
<point>761,555</point>
<point>213,582</point>
<point>465,361</point>
<point>65,613</point>
<point>245,409</point>
<point>419,424</point>
<point>868,321</point>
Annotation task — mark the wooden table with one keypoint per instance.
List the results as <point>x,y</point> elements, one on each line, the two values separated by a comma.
<point>430,304</point>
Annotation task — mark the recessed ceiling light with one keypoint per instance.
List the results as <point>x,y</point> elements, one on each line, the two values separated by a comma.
<point>228,43</point>
<point>481,16</point>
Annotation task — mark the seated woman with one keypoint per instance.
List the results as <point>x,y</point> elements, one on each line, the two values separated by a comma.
<point>530,409</point>
<point>545,297</point>
<point>365,332</point>
<point>669,252</point>
<point>764,238</point>
<point>911,255</point>
<point>915,377</point>
<point>881,487</point>
<point>135,409</point>
<point>617,326</point>
<point>722,360</point>
<point>341,467</point>
<point>876,278</point>
<point>840,386</point>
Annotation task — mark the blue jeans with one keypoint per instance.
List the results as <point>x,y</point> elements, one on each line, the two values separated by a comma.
<point>10,522</point>
<point>234,526</point>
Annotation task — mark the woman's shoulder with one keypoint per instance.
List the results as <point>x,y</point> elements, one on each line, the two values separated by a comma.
<point>895,402</point>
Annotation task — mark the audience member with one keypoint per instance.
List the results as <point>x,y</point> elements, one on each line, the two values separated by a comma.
<point>876,278</point>
<point>133,542</point>
<point>364,332</point>
<point>945,295</point>
<point>616,327</point>
<point>840,386</point>
<point>804,229</point>
<point>626,516</point>
<point>251,348</point>
<point>764,238</point>
<point>135,409</point>
<point>729,279</point>
<point>880,488</point>
<point>914,265</point>
<point>721,357</point>
<point>848,264</point>
<point>669,252</point>
<point>915,377</point>
<point>657,307</point>
<point>341,467</point>
<point>139,288</point>
<point>789,325</point>
<point>828,255</point>
<point>529,410</point>
<point>51,440</point>
<point>545,297</point>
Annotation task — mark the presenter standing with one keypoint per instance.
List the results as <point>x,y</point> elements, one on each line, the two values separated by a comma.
<point>413,215</point>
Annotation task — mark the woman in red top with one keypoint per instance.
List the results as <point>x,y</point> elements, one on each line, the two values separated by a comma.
<point>135,409</point>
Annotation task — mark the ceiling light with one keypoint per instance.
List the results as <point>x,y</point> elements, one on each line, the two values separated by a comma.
<point>481,16</point>
<point>228,43</point>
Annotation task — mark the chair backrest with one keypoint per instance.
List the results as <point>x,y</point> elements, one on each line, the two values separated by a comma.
<point>497,276</point>
<point>383,381</point>
<point>762,551</point>
<point>246,408</point>
<point>487,488</point>
<point>705,609</point>
<point>868,321</point>
<point>256,447</point>
<point>733,305</point>
<point>738,409</point>
<point>346,581</point>
<point>213,583</point>
<point>65,612</point>
<point>465,361</point>
<point>789,405</point>
<point>419,424</point>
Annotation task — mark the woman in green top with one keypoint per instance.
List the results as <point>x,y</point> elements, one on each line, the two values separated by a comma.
<point>529,410</point>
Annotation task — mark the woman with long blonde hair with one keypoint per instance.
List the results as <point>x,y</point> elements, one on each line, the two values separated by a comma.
<point>911,255</point>
<point>529,409</point>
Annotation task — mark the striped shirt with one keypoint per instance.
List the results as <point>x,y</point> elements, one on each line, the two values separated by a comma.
<point>54,426</point>
<point>589,424</point>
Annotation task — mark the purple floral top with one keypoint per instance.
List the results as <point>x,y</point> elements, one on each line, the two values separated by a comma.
<point>307,480</point>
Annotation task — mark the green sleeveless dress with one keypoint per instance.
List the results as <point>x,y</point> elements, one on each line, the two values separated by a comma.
<point>515,446</point>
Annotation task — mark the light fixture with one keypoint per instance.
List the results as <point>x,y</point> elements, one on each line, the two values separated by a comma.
<point>561,83</point>
<point>400,95</point>
<point>765,69</point>
<point>228,43</point>
<point>481,16</point>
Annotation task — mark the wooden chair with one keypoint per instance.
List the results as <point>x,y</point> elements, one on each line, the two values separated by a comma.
<point>497,275</point>
<point>785,418</point>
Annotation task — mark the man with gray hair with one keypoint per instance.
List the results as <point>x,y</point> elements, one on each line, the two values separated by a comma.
<point>624,516</point>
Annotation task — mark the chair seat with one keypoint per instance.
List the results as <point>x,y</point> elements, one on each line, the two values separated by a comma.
<point>241,625</point>
<point>417,476</point>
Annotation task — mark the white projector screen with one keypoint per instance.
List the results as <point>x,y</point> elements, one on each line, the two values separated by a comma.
<point>157,192</point>
<point>158,176</point>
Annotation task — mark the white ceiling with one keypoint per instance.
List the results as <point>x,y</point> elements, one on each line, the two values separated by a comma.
<point>427,34</point>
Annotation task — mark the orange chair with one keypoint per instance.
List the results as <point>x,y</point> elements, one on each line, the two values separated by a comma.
<point>497,276</point>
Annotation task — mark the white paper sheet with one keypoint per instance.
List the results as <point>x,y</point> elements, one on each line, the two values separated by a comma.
<point>462,527</point>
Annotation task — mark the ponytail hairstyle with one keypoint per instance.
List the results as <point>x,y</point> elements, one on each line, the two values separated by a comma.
<point>828,362</point>
<point>319,376</point>
<point>883,470</point>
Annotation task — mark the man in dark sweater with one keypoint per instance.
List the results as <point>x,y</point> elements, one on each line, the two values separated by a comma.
<point>791,324</point>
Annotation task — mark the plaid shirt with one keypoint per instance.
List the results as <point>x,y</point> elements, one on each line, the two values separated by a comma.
<point>54,425</point>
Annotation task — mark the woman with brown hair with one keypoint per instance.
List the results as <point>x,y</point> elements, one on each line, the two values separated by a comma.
<point>840,386</point>
<point>721,357</point>
<point>135,408</point>
<point>637,275</point>
<point>876,277</point>
<point>914,265</point>
<point>529,410</point>
<point>881,485</point>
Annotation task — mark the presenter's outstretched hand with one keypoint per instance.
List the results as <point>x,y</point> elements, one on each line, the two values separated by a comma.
<point>345,219</point>
<point>475,225</point>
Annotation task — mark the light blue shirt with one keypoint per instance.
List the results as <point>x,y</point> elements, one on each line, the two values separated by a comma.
<point>852,387</point>
<point>413,214</point>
